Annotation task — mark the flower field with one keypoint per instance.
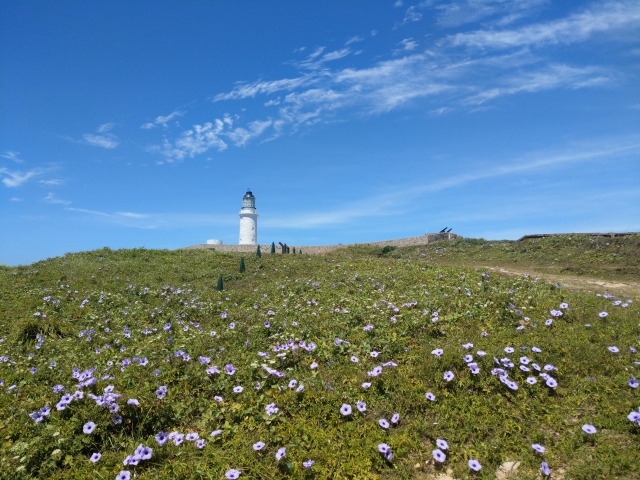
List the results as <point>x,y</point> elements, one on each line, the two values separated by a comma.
<point>129,363</point>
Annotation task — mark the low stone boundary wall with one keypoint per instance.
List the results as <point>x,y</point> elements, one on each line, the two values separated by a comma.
<point>320,249</point>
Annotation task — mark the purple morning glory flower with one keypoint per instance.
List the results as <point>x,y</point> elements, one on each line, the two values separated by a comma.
<point>345,409</point>
<point>613,349</point>
<point>361,406</point>
<point>551,382</point>
<point>229,369</point>
<point>544,468</point>
<point>191,437</point>
<point>383,423</point>
<point>395,418</point>
<point>634,417</point>
<point>587,428</point>
<point>437,352</point>
<point>133,401</point>
<point>430,396</point>
<point>201,443</point>
<point>258,446</point>
<point>531,380</point>
<point>384,448</point>
<point>442,444</point>
<point>308,464</point>
<point>232,474</point>
<point>633,382</point>
<point>161,438</point>
<point>123,475</point>
<point>281,453</point>
<point>95,457</point>
<point>548,322</point>
<point>538,448</point>
<point>508,349</point>
<point>475,465</point>
<point>438,455</point>
<point>366,385</point>
<point>89,427</point>
<point>215,433</point>
<point>603,314</point>
<point>448,376</point>
<point>564,305</point>
<point>178,439</point>
<point>237,389</point>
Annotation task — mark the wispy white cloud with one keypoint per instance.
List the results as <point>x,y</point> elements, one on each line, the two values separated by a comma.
<point>455,13</point>
<point>17,178</point>
<point>261,87</point>
<point>574,28</point>
<point>402,200</point>
<point>240,136</point>
<point>408,44</point>
<point>555,76</point>
<point>163,119</point>
<point>157,220</point>
<point>53,181</point>
<point>12,156</point>
<point>16,199</point>
<point>100,140</point>
<point>355,39</point>
<point>105,127</point>
<point>412,15</point>
<point>51,198</point>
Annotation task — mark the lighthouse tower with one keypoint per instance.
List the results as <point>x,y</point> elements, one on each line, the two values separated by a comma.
<point>248,220</point>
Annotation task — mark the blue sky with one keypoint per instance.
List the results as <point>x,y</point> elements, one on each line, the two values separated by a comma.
<point>129,124</point>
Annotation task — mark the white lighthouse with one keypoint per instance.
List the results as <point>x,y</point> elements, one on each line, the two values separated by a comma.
<point>248,220</point>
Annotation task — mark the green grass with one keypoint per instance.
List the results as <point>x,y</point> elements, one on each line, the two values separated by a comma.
<point>479,416</point>
<point>601,257</point>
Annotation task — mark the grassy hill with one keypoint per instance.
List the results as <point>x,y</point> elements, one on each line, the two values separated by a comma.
<point>133,346</point>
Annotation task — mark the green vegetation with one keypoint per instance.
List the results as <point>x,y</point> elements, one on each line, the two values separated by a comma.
<point>304,335</point>
<point>242,266</point>
<point>602,257</point>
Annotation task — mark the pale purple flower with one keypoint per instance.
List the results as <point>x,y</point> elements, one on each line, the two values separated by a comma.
<point>133,401</point>
<point>354,359</point>
<point>430,396</point>
<point>634,417</point>
<point>89,427</point>
<point>442,444</point>
<point>191,437</point>
<point>308,464</point>
<point>384,448</point>
<point>95,457</point>
<point>613,349</point>
<point>232,474</point>
<point>531,380</point>
<point>281,453</point>
<point>178,439</point>
<point>293,383</point>
<point>603,314</point>
<point>215,433</point>
<point>383,423</point>
<point>437,352</point>
<point>345,409</point>
<point>201,443</point>
<point>258,446</point>
<point>313,366</point>
<point>467,346</point>
<point>587,428</point>
<point>544,468</point>
<point>217,398</point>
<point>564,305</point>
<point>474,465</point>
<point>508,349</point>
<point>237,389</point>
<point>395,418</point>
<point>467,358</point>
<point>361,406</point>
<point>161,438</point>
<point>538,448</point>
<point>123,475</point>
<point>438,455</point>
<point>448,376</point>
<point>633,382</point>
<point>535,350</point>
<point>229,368</point>
<point>548,322</point>
<point>366,385</point>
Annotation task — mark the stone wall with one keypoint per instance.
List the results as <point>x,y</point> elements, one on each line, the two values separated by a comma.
<point>320,249</point>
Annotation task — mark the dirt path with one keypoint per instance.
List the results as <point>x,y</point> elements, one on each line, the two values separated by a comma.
<point>578,282</point>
